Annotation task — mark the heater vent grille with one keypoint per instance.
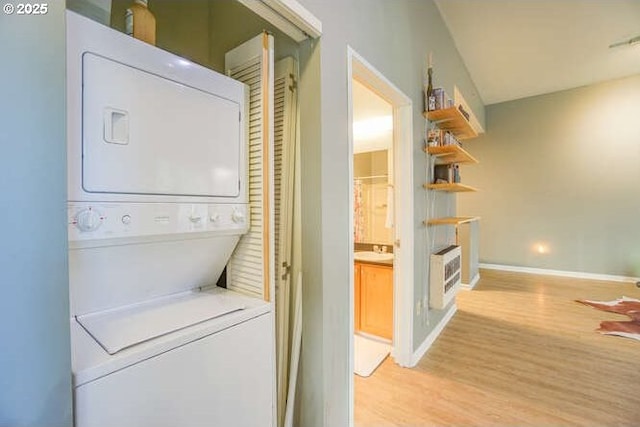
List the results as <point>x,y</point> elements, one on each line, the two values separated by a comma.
<point>445,276</point>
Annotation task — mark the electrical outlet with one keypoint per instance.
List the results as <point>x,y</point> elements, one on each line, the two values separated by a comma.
<point>424,302</point>
<point>418,308</point>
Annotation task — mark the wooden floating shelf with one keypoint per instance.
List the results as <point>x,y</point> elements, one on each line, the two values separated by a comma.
<point>451,154</point>
<point>452,120</point>
<point>453,187</point>
<point>454,220</point>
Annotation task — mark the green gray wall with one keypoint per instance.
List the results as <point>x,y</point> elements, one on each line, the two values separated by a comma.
<point>561,170</point>
<point>469,239</point>
<point>395,37</point>
<point>311,389</point>
<point>35,360</point>
<point>182,27</point>
<point>204,30</point>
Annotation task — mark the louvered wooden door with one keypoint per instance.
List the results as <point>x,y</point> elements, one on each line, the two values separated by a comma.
<point>250,268</point>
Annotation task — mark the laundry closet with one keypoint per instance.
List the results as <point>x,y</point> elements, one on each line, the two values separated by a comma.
<point>181,226</point>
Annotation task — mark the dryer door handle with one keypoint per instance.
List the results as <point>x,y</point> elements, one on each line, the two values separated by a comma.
<point>116,126</point>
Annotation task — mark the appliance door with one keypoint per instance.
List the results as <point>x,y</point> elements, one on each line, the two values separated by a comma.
<point>145,134</point>
<point>224,379</point>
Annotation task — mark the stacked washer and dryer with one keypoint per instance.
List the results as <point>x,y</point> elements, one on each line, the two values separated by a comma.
<point>157,184</point>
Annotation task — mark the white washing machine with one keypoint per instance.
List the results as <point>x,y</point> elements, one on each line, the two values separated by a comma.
<point>157,167</point>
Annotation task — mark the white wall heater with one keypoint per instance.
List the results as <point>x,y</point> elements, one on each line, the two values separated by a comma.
<point>445,275</point>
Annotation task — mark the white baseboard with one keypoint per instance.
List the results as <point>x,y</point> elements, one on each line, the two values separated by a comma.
<point>431,338</point>
<point>473,282</point>
<point>562,273</point>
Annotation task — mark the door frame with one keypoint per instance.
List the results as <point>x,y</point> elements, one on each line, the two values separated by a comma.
<point>403,265</point>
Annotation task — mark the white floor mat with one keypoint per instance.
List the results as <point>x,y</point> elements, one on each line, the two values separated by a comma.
<point>368,354</point>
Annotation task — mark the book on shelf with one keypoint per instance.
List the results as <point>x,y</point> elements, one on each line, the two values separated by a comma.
<point>463,112</point>
<point>446,174</point>
<point>438,99</point>
<point>441,138</point>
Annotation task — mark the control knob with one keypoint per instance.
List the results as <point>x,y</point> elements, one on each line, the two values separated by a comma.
<point>237,216</point>
<point>195,219</point>
<point>88,220</point>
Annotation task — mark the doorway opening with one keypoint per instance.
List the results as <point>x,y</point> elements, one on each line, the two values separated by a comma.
<point>381,212</point>
<point>373,228</point>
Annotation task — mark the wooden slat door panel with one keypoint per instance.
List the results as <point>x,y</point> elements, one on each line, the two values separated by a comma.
<point>250,269</point>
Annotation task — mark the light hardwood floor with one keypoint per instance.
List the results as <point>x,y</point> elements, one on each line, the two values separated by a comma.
<point>518,352</point>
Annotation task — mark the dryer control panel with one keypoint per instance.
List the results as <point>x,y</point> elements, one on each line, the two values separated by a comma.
<point>97,221</point>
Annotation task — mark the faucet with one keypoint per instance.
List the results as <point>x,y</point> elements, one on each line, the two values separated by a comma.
<point>380,249</point>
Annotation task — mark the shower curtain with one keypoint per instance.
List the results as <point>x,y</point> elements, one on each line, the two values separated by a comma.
<point>358,212</point>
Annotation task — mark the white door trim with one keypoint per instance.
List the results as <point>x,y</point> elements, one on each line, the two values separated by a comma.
<point>402,350</point>
<point>289,16</point>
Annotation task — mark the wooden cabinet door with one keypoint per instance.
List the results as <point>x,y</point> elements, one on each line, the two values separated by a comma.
<point>376,300</point>
<point>356,297</point>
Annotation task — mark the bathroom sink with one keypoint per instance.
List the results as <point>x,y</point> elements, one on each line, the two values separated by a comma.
<point>372,256</point>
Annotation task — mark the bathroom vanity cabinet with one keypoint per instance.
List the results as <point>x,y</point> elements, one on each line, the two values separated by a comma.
<point>373,299</point>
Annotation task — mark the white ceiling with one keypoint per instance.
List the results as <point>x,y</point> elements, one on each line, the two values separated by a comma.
<point>519,48</point>
<point>372,120</point>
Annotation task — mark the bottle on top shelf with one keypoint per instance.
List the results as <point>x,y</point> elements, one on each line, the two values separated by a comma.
<point>140,22</point>
<point>431,100</point>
